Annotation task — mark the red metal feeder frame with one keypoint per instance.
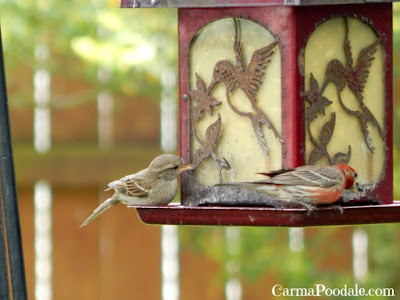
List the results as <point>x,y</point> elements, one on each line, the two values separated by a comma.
<point>292,22</point>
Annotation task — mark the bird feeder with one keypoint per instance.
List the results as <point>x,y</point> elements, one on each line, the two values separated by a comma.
<point>276,84</point>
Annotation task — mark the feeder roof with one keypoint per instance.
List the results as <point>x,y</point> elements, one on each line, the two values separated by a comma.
<point>237,3</point>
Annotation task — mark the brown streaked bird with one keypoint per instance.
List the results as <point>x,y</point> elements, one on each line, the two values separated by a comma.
<point>156,185</point>
<point>306,185</point>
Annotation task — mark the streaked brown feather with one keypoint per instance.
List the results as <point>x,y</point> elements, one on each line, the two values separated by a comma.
<point>275,172</point>
<point>306,176</point>
<point>137,187</point>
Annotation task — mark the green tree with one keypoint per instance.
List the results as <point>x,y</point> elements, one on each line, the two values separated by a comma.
<point>134,46</point>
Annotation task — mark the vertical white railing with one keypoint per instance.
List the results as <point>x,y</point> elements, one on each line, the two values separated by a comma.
<point>168,108</point>
<point>360,255</point>
<point>42,189</point>
<point>170,262</point>
<point>296,239</point>
<point>233,286</point>
<point>43,243</point>
<point>170,288</point>
<point>41,96</point>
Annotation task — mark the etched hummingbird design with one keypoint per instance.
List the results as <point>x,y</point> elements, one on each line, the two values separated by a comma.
<point>248,81</point>
<point>355,77</point>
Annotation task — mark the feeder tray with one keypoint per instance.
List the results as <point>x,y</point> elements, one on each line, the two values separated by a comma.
<point>176,214</point>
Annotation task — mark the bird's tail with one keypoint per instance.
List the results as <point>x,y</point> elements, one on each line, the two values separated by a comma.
<point>98,211</point>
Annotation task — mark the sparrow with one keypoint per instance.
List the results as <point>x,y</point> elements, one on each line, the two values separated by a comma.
<point>306,185</point>
<point>155,185</point>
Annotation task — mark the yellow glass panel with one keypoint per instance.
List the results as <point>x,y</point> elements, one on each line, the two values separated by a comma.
<point>327,43</point>
<point>237,141</point>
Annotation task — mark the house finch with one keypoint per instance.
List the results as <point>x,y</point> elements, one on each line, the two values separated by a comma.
<point>156,185</point>
<point>306,185</point>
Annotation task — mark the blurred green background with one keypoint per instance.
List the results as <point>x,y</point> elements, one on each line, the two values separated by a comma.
<point>95,46</point>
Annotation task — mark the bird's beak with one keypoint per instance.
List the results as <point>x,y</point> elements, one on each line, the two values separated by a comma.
<point>357,188</point>
<point>212,85</point>
<point>185,168</point>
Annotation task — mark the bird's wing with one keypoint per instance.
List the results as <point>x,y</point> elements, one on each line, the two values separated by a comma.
<point>132,185</point>
<point>237,48</point>
<point>137,187</point>
<point>257,64</point>
<point>323,176</point>
<point>347,46</point>
<point>363,64</point>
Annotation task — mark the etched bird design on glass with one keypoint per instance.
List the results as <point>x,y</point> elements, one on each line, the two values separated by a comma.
<point>249,81</point>
<point>355,76</point>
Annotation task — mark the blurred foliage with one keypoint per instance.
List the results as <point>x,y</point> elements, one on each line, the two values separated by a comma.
<point>265,252</point>
<point>134,46</point>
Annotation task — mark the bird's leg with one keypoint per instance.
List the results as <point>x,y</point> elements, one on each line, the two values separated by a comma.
<point>309,207</point>
<point>337,207</point>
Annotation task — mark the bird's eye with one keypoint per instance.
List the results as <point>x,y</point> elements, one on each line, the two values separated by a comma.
<point>355,175</point>
<point>175,167</point>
